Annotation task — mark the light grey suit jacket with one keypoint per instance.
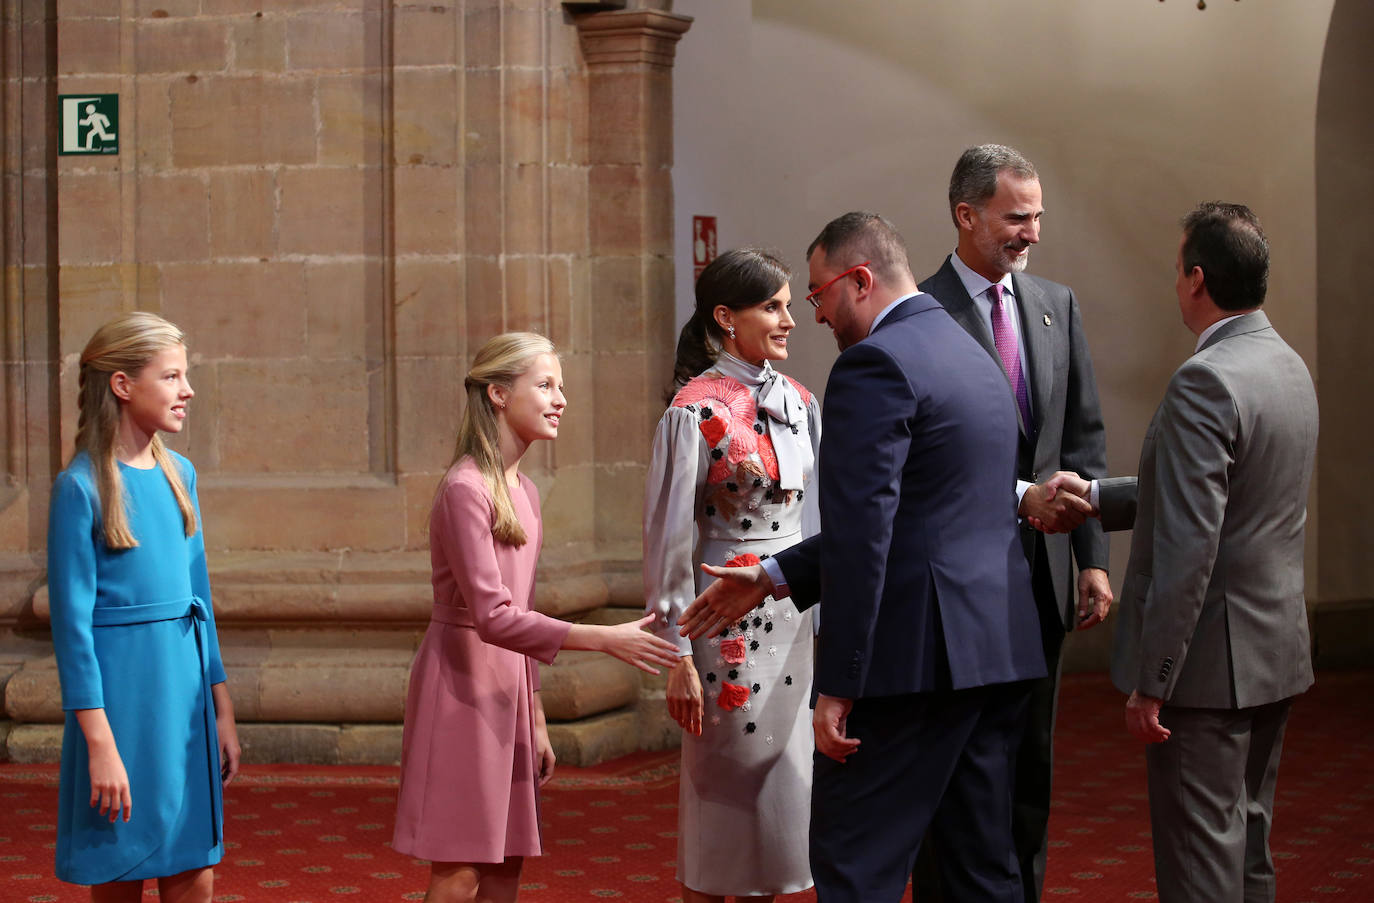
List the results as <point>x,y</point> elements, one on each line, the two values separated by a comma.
<point>1068,433</point>
<point>1212,610</point>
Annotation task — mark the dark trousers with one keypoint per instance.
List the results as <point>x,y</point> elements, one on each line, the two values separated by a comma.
<point>1034,765</point>
<point>926,760</point>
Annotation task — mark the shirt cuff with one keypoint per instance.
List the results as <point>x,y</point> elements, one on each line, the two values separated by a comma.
<point>1021,487</point>
<point>774,572</point>
<point>1093,495</point>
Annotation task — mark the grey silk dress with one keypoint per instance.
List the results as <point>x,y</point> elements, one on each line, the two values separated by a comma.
<point>732,462</point>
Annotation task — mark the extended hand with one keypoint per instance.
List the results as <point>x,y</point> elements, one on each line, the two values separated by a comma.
<point>829,723</point>
<point>630,643</point>
<point>684,695</point>
<point>1142,718</point>
<point>1094,597</point>
<point>1057,505</point>
<point>725,601</point>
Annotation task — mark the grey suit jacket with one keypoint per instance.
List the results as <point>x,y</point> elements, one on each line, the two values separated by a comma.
<point>1212,610</point>
<point>1068,433</point>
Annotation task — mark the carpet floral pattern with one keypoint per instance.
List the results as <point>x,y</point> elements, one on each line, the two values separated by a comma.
<point>307,833</point>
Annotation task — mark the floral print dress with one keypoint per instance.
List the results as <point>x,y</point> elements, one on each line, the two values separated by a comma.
<point>728,482</point>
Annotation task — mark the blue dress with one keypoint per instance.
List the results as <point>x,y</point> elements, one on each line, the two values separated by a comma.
<point>134,635</point>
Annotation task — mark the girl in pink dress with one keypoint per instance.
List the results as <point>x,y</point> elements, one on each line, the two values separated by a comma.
<point>476,750</point>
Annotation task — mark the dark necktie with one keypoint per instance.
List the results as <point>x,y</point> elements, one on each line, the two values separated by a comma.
<point>1004,337</point>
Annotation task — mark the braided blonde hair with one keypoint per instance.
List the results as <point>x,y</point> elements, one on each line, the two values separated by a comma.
<point>125,344</point>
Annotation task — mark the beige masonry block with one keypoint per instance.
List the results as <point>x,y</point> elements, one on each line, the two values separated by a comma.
<point>281,516</point>
<point>481,35</point>
<point>425,35</point>
<point>482,110</point>
<point>483,209</point>
<point>430,316</point>
<point>567,117</point>
<point>89,217</point>
<point>229,7</point>
<point>618,115</point>
<point>618,316</point>
<point>72,9</point>
<point>350,119</point>
<point>658,211</point>
<point>616,209</point>
<point>425,116</point>
<point>337,39</point>
<point>331,211</point>
<point>566,511</point>
<point>88,46</point>
<point>226,120</point>
<point>620,501</point>
<point>370,744</point>
<point>569,209</point>
<point>419,498</point>
<point>258,45</point>
<point>427,217</point>
<point>621,389</point>
<point>522,37</point>
<point>238,310</point>
<point>305,744</point>
<point>579,684</point>
<point>182,45</point>
<point>526,210</point>
<point>429,397</point>
<point>162,9</point>
<point>484,299</point>
<point>242,214</point>
<point>152,118</point>
<point>343,302</point>
<point>173,217</point>
<point>560,301</point>
<point>293,416</point>
<point>89,296</point>
<point>595,740</point>
<point>526,294</point>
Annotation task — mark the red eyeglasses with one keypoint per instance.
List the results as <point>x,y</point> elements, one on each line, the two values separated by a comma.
<point>815,296</point>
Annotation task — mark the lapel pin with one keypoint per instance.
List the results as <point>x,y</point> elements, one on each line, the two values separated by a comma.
<point>1047,319</point>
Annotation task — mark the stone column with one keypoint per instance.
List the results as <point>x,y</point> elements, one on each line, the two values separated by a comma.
<point>629,56</point>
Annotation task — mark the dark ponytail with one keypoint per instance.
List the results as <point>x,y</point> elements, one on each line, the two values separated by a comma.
<point>738,279</point>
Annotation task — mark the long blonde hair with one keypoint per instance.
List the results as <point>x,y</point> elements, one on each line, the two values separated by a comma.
<point>499,362</point>
<point>125,344</point>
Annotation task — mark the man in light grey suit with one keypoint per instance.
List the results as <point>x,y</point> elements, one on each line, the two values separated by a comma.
<point>1032,329</point>
<point>1211,641</point>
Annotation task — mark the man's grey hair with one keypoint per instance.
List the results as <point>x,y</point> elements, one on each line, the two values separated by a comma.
<point>974,180</point>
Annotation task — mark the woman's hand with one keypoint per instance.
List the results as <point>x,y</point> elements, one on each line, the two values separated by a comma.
<point>109,781</point>
<point>543,749</point>
<point>630,643</point>
<point>110,784</point>
<point>225,725</point>
<point>684,695</point>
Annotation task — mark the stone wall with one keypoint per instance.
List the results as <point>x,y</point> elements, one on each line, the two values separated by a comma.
<point>339,200</point>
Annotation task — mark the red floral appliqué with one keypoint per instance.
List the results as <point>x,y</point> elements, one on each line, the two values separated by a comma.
<point>742,561</point>
<point>732,650</point>
<point>733,413</point>
<point>732,696</point>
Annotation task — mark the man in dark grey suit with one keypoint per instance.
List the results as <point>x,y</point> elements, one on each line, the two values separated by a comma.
<point>1031,328</point>
<point>1212,641</point>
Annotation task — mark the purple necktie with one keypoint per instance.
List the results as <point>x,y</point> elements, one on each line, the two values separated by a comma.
<point>1004,337</point>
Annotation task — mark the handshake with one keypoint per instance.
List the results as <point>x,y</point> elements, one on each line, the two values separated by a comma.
<point>1059,504</point>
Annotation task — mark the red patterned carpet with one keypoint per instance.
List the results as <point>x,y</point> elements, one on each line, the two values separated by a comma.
<point>301,833</point>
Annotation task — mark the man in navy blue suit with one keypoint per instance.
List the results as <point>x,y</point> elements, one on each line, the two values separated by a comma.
<point>930,632</point>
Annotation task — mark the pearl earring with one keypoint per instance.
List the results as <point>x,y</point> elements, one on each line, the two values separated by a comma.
<point>731,330</point>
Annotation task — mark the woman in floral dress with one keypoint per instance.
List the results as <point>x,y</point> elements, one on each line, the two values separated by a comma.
<point>732,462</point>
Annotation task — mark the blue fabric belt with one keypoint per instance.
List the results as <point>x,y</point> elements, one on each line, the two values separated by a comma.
<point>194,608</point>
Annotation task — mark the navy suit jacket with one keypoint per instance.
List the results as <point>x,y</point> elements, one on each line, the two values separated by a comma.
<point>919,561</point>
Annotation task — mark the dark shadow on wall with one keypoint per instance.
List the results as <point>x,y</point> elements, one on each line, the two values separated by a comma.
<point>1344,621</point>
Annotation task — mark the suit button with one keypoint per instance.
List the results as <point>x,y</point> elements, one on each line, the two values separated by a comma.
<point>1035,477</point>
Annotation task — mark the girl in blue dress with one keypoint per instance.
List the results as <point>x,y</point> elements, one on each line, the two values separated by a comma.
<point>150,737</point>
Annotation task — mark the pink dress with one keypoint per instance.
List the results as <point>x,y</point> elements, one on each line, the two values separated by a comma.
<point>468,759</point>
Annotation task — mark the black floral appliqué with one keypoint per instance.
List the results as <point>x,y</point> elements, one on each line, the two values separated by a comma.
<point>750,728</point>
<point>711,677</point>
